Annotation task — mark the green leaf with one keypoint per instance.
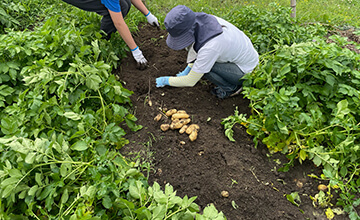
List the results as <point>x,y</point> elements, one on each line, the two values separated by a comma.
<point>106,201</point>
<point>64,197</point>
<point>30,157</point>
<point>7,191</point>
<point>79,146</point>
<point>294,198</point>
<point>159,212</point>
<point>33,190</point>
<point>72,116</point>
<point>38,179</point>
<point>9,181</point>
<point>93,82</point>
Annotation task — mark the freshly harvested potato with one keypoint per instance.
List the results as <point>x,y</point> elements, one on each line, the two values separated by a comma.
<point>181,112</point>
<point>191,128</point>
<point>179,116</point>
<point>170,112</point>
<point>322,187</point>
<point>158,117</point>
<point>193,135</point>
<point>183,129</point>
<point>225,194</point>
<point>164,127</point>
<point>176,124</point>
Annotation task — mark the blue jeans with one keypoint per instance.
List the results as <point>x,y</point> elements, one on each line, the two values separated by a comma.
<point>227,76</point>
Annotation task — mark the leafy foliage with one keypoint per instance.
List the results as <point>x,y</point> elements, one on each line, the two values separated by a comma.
<point>305,100</point>
<point>272,27</point>
<point>62,118</point>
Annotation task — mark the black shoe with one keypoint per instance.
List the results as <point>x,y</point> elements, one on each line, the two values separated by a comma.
<point>222,94</point>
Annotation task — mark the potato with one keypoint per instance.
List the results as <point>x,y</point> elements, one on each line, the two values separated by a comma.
<point>179,116</point>
<point>181,112</point>
<point>193,135</point>
<point>183,129</point>
<point>191,128</point>
<point>158,117</point>
<point>176,124</point>
<point>322,187</point>
<point>164,127</point>
<point>225,194</point>
<point>170,112</point>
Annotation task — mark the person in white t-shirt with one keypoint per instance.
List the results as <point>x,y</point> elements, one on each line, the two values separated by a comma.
<point>217,51</point>
<point>113,12</point>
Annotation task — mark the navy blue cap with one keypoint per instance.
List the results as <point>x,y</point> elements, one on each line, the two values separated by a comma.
<point>179,23</point>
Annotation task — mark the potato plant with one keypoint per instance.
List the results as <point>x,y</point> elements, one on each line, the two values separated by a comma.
<point>305,99</point>
<point>62,118</point>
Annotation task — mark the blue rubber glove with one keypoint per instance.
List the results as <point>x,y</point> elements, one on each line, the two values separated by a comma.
<point>185,72</point>
<point>162,81</point>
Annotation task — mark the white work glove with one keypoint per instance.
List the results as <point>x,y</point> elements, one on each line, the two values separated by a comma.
<point>139,58</point>
<point>152,19</point>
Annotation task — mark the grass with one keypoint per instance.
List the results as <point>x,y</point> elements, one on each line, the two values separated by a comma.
<point>333,12</point>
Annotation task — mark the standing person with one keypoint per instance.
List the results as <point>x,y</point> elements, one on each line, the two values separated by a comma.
<point>217,51</point>
<point>113,12</point>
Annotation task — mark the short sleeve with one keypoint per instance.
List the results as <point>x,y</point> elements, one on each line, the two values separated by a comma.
<point>112,5</point>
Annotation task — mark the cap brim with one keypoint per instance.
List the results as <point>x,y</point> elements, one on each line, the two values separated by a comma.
<point>180,42</point>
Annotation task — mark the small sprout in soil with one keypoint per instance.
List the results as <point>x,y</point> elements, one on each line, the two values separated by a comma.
<point>208,119</point>
<point>322,187</point>
<point>201,153</point>
<point>225,194</point>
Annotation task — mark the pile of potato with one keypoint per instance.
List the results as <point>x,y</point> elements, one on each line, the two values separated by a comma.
<point>179,120</point>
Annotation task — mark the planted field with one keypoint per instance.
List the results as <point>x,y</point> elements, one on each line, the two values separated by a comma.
<point>78,138</point>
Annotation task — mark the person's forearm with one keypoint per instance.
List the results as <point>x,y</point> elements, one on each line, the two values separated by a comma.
<point>140,6</point>
<point>123,29</point>
<point>189,80</point>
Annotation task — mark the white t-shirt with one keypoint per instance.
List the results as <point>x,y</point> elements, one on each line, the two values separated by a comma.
<point>231,46</point>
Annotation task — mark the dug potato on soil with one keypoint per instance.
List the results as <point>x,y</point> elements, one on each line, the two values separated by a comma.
<point>170,112</point>
<point>192,127</point>
<point>180,123</point>
<point>193,135</point>
<point>164,127</point>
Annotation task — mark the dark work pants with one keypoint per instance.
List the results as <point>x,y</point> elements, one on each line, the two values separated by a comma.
<point>107,24</point>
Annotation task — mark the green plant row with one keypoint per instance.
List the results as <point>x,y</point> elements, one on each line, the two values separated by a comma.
<point>63,117</point>
<point>305,101</point>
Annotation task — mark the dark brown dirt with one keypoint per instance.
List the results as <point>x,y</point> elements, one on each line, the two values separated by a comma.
<point>211,164</point>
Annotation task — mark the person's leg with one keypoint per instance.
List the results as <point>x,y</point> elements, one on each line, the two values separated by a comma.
<point>225,75</point>
<point>107,24</point>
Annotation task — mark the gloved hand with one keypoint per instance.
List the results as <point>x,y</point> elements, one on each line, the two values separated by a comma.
<point>152,19</point>
<point>162,81</point>
<point>140,59</point>
<point>184,72</point>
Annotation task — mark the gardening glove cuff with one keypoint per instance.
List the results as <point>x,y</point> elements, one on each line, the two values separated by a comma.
<point>139,58</point>
<point>162,81</point>
<point>184,72</point>
<point>152,19</point>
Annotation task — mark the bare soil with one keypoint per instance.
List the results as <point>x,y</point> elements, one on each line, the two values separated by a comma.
<point>211,164</point>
